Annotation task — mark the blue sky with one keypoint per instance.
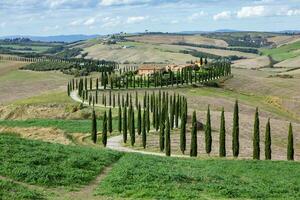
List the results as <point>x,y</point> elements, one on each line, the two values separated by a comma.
<point>53,17</point>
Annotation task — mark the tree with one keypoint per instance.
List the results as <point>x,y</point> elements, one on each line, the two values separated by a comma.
<point>162,132</point>
<point>120,120</point>
<point>94,127</point>
<point>109,121</point>
<point>194,147</point>
<point>268,151</point>
<point>144,134</point>
<point>256,140</point>
<point>132,127</point>
<point>183,133</point>
<point>290,147</point>
<point>139,120</point>
<point>168,138</point>
<point>104,130</point>
<point>125,125</point>
<point>235,131</point>
<point>222,140</point>
<point>208,138</point>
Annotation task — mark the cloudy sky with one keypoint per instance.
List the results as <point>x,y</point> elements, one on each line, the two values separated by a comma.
<point>53,17</point>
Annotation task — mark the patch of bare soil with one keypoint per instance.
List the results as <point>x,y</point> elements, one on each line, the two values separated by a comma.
<point>45,134</point>
<point>252,63</point>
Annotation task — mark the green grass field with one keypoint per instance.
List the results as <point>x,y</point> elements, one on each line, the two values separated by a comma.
<point>10,190</point>
<point>148,177</point>
<point>47,164</point>
<point>284,52</point>
<point>69,126</point>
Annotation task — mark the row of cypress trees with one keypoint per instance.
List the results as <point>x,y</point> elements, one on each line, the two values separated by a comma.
<point>127,80</point>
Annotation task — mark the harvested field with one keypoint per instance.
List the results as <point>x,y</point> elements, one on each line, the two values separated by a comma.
<point>252,63</point>
<point>8,66</point>
<point>37,133</point>
<point>171,39</point>
<point>284,39</point>
<point>289,63</point>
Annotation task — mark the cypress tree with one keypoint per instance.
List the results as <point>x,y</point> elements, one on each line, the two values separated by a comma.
<point>148,119</point>
<point>290,147</point>
<point>222,139</point>
<point>125,125</point>
<point>235,131</point>
<point>139,120</point>
<point>104,130</point>
<point>208,138</point>
<point>168,138</point>
<point>194,148</point>
<point>162,132</point>
<point>132,127</point>
<point>109,121</point>
<point>94,127</point>
<point>144,134</point>
<point>256,148</point>
<point>268,150</point>
<point>183,133</point>
<point>120,120</point>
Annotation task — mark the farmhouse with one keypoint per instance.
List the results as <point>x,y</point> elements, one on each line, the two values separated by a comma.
<point>147,69</point>
<point>175,68</point>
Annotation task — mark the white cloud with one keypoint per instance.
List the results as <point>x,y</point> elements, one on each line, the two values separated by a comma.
<point>174,22</point>
<point>135,19</point>
<point>196,16</point>
<point>252,11</point>
<point>222,16</point>
<point>122,2</point>
<point>109,22</point>
<point>89,21</point>
<point>3,24</point>
<point>76,23</point>
<point>293,12</point>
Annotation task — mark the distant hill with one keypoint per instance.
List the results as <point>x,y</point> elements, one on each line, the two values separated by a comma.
<point>56,38</point>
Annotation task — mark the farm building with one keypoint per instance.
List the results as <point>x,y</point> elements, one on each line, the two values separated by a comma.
<point>147,69</point>
<point>175,68</point>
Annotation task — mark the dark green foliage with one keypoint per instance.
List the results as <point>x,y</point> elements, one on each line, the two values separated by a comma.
<point>110,129</point>
<point>132,127</point>
<point>268,142</point>
<point>290,147</point>
<point>256,140</point>
<point>222,139</point>
<point>208,137</point>
<point>168,138</point>
<point>183,133</point>
<point>104,130</point>
<point>120,119</point>
<point>94,127</point>
<point>125,125</point>
<point>194,146</point>
<point>162,132</point>
<point>47,66</point>
<point>235,131</point>
<point>144,133</point>
<point>48,164</point>
<point>139,128</point>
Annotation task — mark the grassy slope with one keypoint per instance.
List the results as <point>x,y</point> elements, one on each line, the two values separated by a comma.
<point>10,190</point>
<point>146,177</point>
<point>49,164</point>
<point>69,126</point>
<point>284,52</point>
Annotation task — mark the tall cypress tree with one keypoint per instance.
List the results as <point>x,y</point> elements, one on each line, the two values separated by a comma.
<point>268,142</point>
<point>162,132</point>
<point>120,120</point>
<point>144,134</point>
<point>132,127</point>
<point>235,131</point>
<point>104,130</point>
<point>125,125</point>
<point>256,139</point>
<point>290,147</point>
<point>94,127</point>
<point>208,138</point>
<point>222,140</point>
<point>168,138</point>
<point>183,133</point>
<point>139,128</point>
<point>194,147</point>
<point>109,121</point>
